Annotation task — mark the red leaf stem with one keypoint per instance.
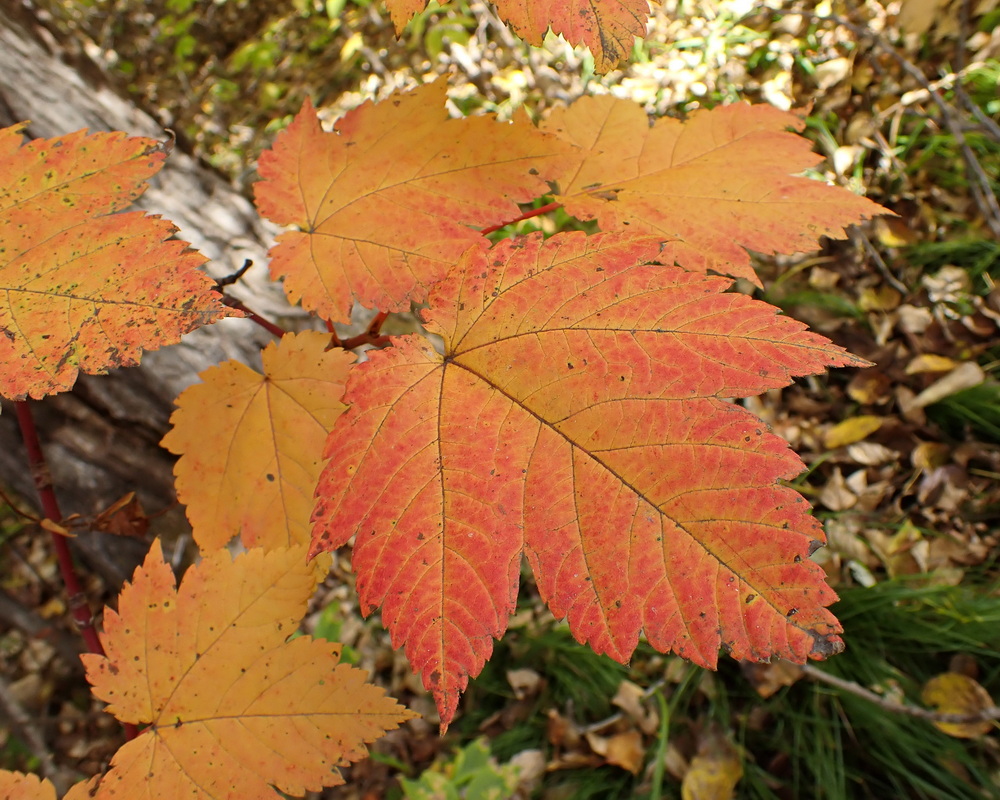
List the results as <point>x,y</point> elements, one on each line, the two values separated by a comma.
<point>535,212</point>
<point>266,324</point>
<point>78,605</point>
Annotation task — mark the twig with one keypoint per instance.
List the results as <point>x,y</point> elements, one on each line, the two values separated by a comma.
<point>27,731</point>
<point>963,25</point>
<point>372,336</point>
<point>10,505</point>
<point>229,280</point>
<point>78,605</point>
<point>875,256</point>
<point>985,715</point>
<point>266,324</point>
<point>535,212</point>
<point>232,302</point>
<point>50,506</point>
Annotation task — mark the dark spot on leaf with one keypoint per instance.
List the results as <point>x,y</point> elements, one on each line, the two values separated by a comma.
<point>750,598</point>
<point>792,612</point>
<point>823,646</point>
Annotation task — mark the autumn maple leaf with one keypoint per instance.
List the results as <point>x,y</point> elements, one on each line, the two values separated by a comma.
<point>233,707</point>
<point>17,785</point>
<point>84,288</point>
<point>251,444</point>
<point>389,200</point>
<point>608,28</point>
<point>577,414</point>
<point>715,185</point>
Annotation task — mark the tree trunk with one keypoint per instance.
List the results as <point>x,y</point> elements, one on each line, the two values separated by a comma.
<point>101,439</point>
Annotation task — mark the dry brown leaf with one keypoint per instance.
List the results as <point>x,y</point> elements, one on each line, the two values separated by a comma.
<point>623,750</point>
<point>836,496</point>
<point>767,679</point>
<point>882,298</point>
<point>631,698</point>
<point>930,455</point>
<point>965,376</point>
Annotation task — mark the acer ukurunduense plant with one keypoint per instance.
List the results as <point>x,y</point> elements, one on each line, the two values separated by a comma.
<point>574,415</point>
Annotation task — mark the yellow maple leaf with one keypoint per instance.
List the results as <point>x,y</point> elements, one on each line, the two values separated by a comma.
<point>233,709</point>
<point>251,444</point>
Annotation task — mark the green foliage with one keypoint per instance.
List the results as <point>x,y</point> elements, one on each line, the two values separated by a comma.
<point>841,747</point>
<point>472,774</point>
<point>979,256</point>
<point>976,408</point>
<point>329,626</point>
<point>575,678</point>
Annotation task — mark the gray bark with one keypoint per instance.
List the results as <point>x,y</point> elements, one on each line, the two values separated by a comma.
<point>101,439</point>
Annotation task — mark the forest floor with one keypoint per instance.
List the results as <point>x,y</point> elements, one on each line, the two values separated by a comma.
<point>903,459</point>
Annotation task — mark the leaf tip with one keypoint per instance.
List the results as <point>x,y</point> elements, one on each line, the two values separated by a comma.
<point>825,645</point>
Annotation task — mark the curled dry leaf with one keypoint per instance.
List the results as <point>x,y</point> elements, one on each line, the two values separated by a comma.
<point>851,430</point>
<point>625,750</point>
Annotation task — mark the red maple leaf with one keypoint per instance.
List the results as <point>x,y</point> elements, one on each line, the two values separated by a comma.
<point>577,414</point>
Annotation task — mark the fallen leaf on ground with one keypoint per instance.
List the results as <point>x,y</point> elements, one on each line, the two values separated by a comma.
<point>955,693</point>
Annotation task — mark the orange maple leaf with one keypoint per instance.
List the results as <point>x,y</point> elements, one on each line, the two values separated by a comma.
<point>608,28</point>
<point>82,290</point>
<point>387,202</point>
<point>18,786</point>
<point>233,708</point>
<point>715,184</point>
<point>577,414</point>
<point>251,445</point>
